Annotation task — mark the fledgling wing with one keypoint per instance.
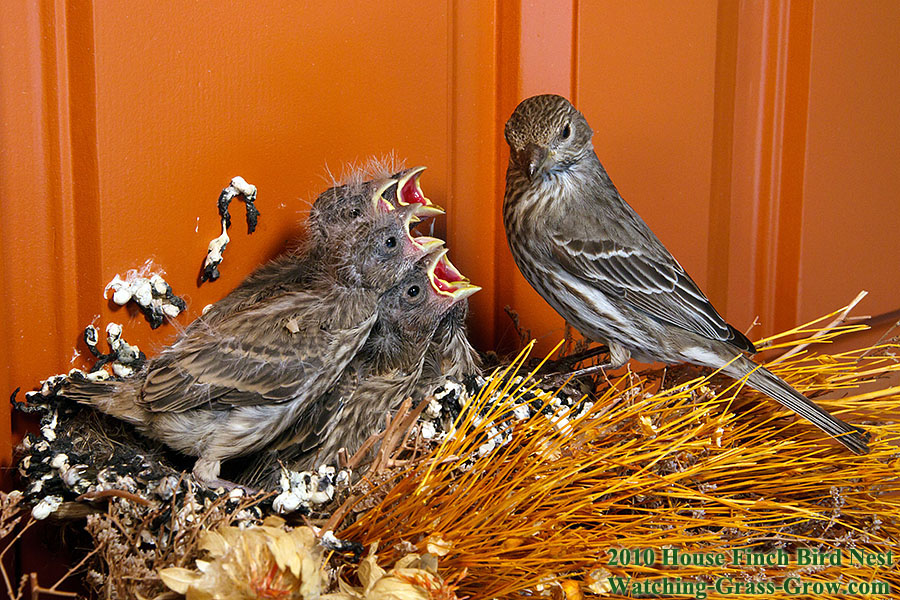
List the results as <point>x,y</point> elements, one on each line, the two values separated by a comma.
<point>289,348</point>
<point>624,258</point>
<point>318,421</point>
<point>299,446</point>
<point>284,273</point>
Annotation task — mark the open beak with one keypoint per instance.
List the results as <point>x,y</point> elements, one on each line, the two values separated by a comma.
<point>446,279</point>
<point>427,244</point>
<point>380,203</point>
<point>424,211</point>
<point>410,192</point>
<point>531,159</point>
<point>408,216</point>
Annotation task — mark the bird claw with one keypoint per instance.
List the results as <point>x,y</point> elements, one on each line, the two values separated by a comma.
<point>555,380</point>
<point>563,365</point>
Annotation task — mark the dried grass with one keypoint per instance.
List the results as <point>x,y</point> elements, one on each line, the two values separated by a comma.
<point>134,542</point>
<point>704,464</point>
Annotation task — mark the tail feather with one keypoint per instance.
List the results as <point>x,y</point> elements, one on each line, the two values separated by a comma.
<point>763,380</point>
<point>112,397</point>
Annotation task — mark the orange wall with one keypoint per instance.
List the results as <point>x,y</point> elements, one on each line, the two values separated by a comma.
<point>760,140</point>
<point>851,206</point>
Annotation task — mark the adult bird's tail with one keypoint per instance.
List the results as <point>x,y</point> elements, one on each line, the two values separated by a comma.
<point>113,397</point>
<point>763,380</point>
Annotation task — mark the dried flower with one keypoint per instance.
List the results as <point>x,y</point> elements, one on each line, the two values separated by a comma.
<point>414,577</point>
<point>266,561</point>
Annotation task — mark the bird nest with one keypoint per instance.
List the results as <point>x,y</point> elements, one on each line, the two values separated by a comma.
<point>668,481</point>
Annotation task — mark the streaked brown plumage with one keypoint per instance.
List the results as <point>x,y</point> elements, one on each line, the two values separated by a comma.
<point>381,375</point>
<point>450,351</point>
<point>338,213</point>
<point>592,258</point>
<point>450,355</point>
<point>231,384</point>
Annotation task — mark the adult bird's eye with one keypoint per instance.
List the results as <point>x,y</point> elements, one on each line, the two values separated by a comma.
<point>566,131</point>
<point>390,242</point>
<point>413,291</point>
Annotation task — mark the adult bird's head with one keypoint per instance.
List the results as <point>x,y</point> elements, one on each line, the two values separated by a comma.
<point>546,134</point>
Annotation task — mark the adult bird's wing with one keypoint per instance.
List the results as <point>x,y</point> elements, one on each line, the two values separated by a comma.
<point>287,348</point>
<point>624,258</point>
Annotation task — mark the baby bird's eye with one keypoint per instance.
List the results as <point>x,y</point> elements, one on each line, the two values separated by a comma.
<point>354,213</point>
<point>566,131</point>
<point>413,291</point>
<point>390,242</point>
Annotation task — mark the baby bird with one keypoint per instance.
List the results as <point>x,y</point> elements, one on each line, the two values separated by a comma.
<point>230,385</point>
<point>379,377</point>
<point>450,354</point>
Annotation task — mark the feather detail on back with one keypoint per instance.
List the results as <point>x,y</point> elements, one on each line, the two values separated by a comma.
<point>292,348</point>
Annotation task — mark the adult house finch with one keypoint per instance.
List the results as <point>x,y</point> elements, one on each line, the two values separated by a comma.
<point>596,262</point>
<point>339,213</point>
<point>379,377</point>
<point>228,387</point>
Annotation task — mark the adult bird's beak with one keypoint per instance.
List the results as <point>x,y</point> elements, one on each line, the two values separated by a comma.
<point>532,158</point>
<point>410,192</point>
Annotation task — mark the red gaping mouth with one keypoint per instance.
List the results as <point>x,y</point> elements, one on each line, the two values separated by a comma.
<point>409,215</point>
<point>409,191</point>
<point>447,280</point>
<point>447,272</point>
